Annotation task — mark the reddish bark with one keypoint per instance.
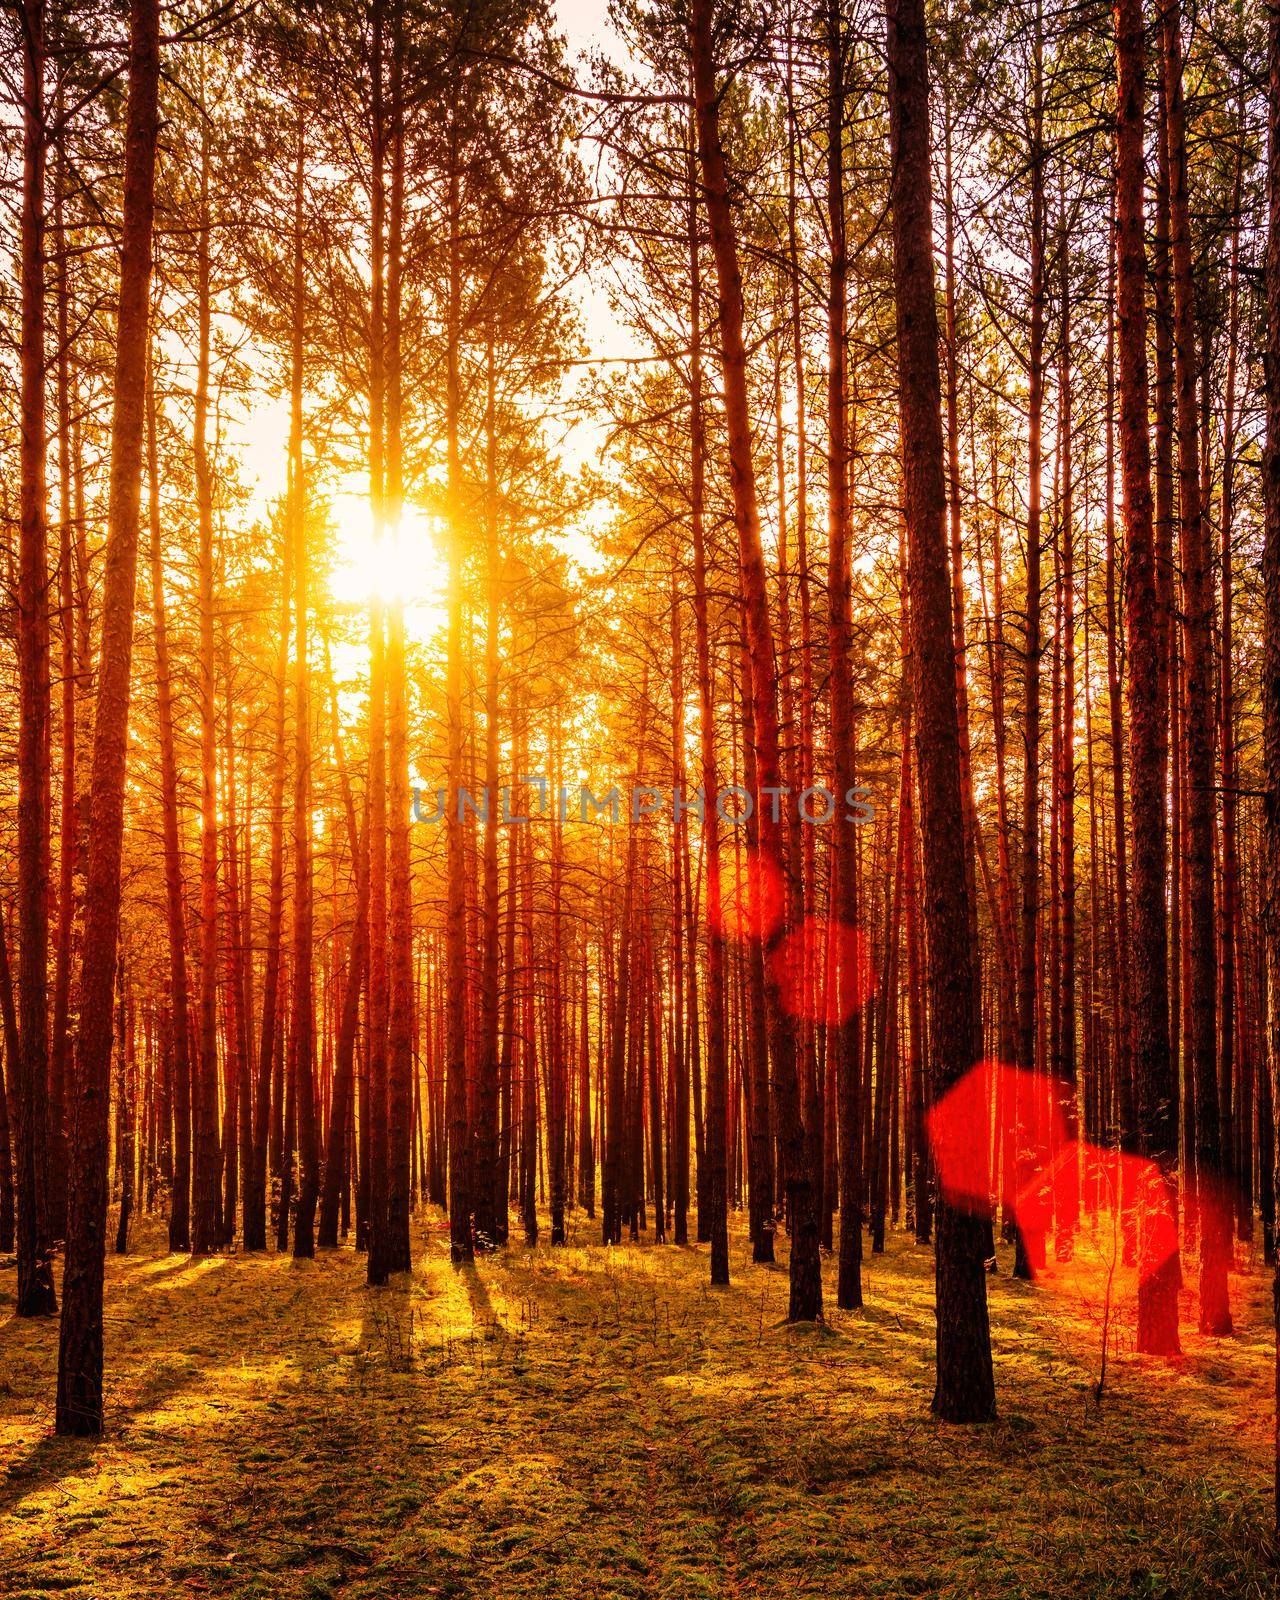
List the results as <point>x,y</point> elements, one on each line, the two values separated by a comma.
<point>1157,1306</point>
<point>400,1069</point>
<point>1212,1149</point>
<point>801,1180</point>
<point>79,1402</point>
<point>714,1148</point>
<point>965,1390</point>
<point>35,1295</point>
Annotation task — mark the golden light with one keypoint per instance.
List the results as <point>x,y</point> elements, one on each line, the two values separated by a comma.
<point>406,564</point>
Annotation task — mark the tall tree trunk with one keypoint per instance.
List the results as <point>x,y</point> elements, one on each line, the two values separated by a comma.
<point>400,918</point>
<point>1030,1249</point>
<point>1149,1035</point>
<point>379,1133</point>
<point>1271,648</point>
<point>460,1218</point>
<point>808,844</point>
<point>965,1390</point>
<point>485,1169</point>
<point>1008,988</point>
<point>304,1245</point>
<point>503,1196</point>
<point>1232,1057</point>
<point>206,1223</point>
<point>556,1063</point>
<point>624,1022</point>
<point>802,1191</point>
<point>126,1105</point>
<point>245,992</point>
<point>235,1023</point>
<point>1064,1069</point>
<point>339,1152</point>
<point>255,1195</point>
<point>336,1166</point>
<point>918,1144</point>
<point>175,917</point>
<point>288,1098</point>
<point>761,1168</point>
<point>528,1056</point>
<point>1271,644</point>
<point>715,1148</point>
<point>79,1402</point>
<point>68,820</point>
<point>887,1018</point>
<point>954,526</point>
<point>1168,673</point>
<point>1123,1039</point>
<point>843,1024</point>
<point>679,866</point>
<point>8,1070</point>
<point>586,1145</point>
<point>1212,1155</point>
<point>31,1078</point>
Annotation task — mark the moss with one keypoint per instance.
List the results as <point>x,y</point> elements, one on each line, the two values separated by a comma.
<point>580,1424</point>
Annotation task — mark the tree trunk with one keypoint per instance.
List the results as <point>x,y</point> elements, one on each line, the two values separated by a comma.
<point>338,1164</point>
<point>1030,1249</point>
<point>528,1057</point>
<point>586,1146</point>
<point>679,866</point>
<point>126,1107</point>
<point>460,1218</point>
<point>556,1055</point>
<point>336,1174</point>
<point>1212,1158</point>
<point>235,1021</point>
<point>965,1390</point>
<point>754,1031</point>
<point>485,1170</point>
<point>715,1151</point>
<point>805,1263</point>
<point>206,1218</point>
<point>379,1134</point>
<point>1232,1057</point>
<point>304,1245</point>
<point>175,918</point>
<point>255,1194</point>
<point>79,1403</point>
<point>1157,1297</point>
<point>1064,1068</point>
<point>8,1069</point>
<point>68,821</point>
<point>843,1022</point>
<point>35,1295</point>
<point>400,919</point>
<point>1271,638</point>
<point>623,1023</point>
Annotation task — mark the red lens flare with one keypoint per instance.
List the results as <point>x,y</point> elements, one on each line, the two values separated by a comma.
<point>824,971</point>
<point>760,895</point>
<point>1001,1138</point>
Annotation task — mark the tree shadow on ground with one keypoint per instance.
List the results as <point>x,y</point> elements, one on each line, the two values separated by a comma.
<point>52,1459</point>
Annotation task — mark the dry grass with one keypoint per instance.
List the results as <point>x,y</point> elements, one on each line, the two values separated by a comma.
<point>590,1423</point>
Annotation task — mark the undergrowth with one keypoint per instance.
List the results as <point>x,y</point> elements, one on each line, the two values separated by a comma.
<point>603,1424</point>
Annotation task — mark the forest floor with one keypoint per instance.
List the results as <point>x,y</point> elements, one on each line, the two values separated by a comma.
<point>583,1422</point>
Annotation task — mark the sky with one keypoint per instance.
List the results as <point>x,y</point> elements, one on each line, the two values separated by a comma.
<point>584,25</point>
<point>259,440</point>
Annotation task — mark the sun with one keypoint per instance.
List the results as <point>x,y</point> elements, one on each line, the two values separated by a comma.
<point>406,564</point>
